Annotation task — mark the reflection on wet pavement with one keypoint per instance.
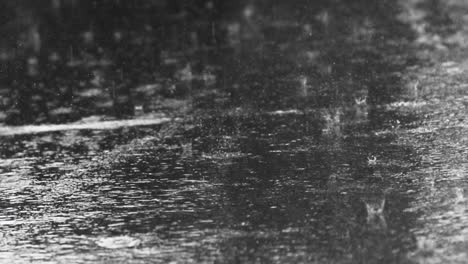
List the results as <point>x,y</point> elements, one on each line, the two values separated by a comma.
<point>255,189</point>
<point>278,175</point>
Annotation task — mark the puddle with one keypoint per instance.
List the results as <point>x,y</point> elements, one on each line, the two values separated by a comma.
<point>315,143</point>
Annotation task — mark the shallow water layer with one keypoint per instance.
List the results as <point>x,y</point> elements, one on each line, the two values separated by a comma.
<point>243,194</point>
<point>356,156</point>
<point>267,188</point>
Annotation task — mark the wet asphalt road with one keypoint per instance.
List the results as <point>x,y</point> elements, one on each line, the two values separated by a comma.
<point>360,159</point>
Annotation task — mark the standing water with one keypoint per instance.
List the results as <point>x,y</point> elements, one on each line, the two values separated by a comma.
<point>322,133</point>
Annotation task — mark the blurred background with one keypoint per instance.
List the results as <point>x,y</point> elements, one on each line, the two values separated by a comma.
<point>61,60</point>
